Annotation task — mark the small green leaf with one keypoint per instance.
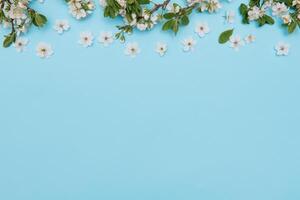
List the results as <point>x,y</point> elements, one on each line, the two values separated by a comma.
<point>185,20</point>
<point>261,21</point>
<point>9,39</point>
<point>169,15</point>
<point>144,1</point>
<point>243,9</point>
<point>168,25</point>
<point>224,36</point>
<point>268,19</point>
<point>40,20</point>
<point>254,3</point>
<point>292,26</point>
<point>175,27</point>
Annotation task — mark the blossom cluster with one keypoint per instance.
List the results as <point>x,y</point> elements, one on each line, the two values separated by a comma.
<point>263,12</point>
<point>80,8</point>
<point>132,49</point>
<point>145,14</point>
<point>18,16</point>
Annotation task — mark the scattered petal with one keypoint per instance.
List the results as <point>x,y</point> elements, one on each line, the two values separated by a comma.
<point>229,16</point>
<point>250,38</point>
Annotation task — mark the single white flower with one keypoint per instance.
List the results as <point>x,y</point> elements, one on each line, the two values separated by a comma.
<point>141,26</point>
<point>188,44</point>
<point>61,26</point>
<point>78,13</point>
<point>296,2</point>
<point>106,38</point>
<point>267,4</point>
<point>20,44</point>
<point>103,3</point>
<point>282,49</point>
<point>286,19</point>
<point>202,29</point>
<point>213,5</point>
<point>255,13</point>
<point>250,38</point>
<point>86,39</point>
<point>279,9</point>
<point>161,48</point>
<point>229,17</point>
<point>146,16</point>
<point>236,42</point>
<point>44,50</point>
<point>132,49</point>
<point>174,8</point>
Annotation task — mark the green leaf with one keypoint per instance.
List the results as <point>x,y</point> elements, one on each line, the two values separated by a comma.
<point>254,3</point>
<point>243,9</point>
<point>185,20</point>
<point>144,1</point>
<point>168,25</point>
<point>292,26</point>
<point>244,12</point>
<point>169,15</point>
<point>245,20</point>
<point>9,39</point>
<point>261,21</point>
<point>224,36</point>
<point>39,19</point>
<point>175,27</point>
<point>268,19</point>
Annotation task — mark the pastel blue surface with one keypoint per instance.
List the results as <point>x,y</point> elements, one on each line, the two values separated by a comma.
<point>213,124</point>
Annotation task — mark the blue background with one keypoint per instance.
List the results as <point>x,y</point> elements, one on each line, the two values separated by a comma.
<point>92,123</point>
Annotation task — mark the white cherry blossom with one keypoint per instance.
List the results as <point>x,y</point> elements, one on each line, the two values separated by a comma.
<point>202,29</point>
<point>44,50</point>
<point>20,44</point>
<point>161,48</point>
<point>61,26</point>
<point>250,38</point>
<point>236,42</point>
<point>106,38</point>
<point>282,49</point>
<point>132,49</point>
<point>86,39</point>
<point>188,44</point>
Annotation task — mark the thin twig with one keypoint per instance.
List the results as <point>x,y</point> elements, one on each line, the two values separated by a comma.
<point>158,6</point>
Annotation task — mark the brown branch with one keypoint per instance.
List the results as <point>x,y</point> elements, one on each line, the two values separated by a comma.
<point>158,6</point>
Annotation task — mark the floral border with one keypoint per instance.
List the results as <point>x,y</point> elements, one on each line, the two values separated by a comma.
<point>143,15</point>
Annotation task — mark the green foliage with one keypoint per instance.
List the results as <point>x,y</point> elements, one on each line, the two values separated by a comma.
<point>293,12</point>
<point>20,24</point>
<point>225,36</point>
<point>9,39</point>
